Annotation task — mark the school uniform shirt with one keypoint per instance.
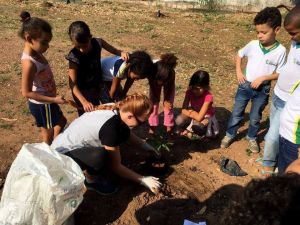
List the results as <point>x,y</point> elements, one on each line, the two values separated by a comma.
<point>89,73</point>
<point>94,129</point>
<point>290,117</point>
<point>113,66</point>
<point>262,61</point>
<point>43,80</point>
<point>289,74</point>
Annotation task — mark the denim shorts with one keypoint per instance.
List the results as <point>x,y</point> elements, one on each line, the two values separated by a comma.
<point>46,115</point>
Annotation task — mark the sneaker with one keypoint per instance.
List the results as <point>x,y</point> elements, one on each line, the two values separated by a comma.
<point>253,146</point>
<point>226,141</point>
<point>102,187</point>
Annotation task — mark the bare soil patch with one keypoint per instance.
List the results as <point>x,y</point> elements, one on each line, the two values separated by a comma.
<point>194,186</point>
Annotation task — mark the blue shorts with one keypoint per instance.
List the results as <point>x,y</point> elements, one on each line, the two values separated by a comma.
<point>46,115</point>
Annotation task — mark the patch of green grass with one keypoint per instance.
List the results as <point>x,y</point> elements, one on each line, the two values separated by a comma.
<point>25,111</point>
<point>207,30</point>
<point>147,27</point>
<point>4,78</point>
<point>6,126</point>
<point>152,36</point>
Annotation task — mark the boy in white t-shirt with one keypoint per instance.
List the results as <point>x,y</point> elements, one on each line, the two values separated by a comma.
<point>288,76</point>
<point>289,141</point>
<point>265,56</point>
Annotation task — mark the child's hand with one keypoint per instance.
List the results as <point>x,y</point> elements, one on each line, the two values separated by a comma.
<point>125,56</point>
<point>241,78</point>
<point>257,82</point>
<point>87,106</point>
<point>60,100</point>
<point>168,105</point>
<point>187,112</point>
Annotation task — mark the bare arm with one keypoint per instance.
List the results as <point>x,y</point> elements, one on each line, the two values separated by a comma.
<point>198,116</point>
<point>87,106</point>
<point>127,85</point>
<point>114,86</point>
<point>118,168</point>
<point>239,73</point>
<point>124,55</point>
<point>185,103</point>
<point>28,71</point>
<point>258,81</point>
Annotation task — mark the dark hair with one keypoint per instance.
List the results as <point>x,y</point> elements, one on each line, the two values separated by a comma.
<point>270,16</point>
<point>165,67</point>
<point>141,64</point>
<point>293,17</point>
<point>80,32</point>
<point>24,15</point>
<point>270,201</point>
<point>35,26</point>
<point>200,78</point>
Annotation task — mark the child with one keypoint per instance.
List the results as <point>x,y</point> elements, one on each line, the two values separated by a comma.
<point>92,145</point>
<point>114,69</point>
<point>265,56</point>
<point>288,76</point>
<point>164,78</point>
<point>85,76</point>
<point>289,141</point>
<point>38,84</point>
<point>200,117</point>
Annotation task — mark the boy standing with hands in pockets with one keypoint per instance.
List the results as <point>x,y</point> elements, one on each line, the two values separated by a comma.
<point>265,56</point>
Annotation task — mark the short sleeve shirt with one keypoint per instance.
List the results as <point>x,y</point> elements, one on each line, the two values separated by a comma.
<point>289,74</point>
<point>262,61</point>
<point>89,73</point>
<point>197,102</point>
<point>94,129</point>
<point>113,67</point>
<point>290,118</point>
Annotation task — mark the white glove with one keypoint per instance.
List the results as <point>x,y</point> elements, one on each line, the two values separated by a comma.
<point>152,183</point>
<point>148,147</point>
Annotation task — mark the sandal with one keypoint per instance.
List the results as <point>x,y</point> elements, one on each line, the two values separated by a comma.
<point>267,173</point>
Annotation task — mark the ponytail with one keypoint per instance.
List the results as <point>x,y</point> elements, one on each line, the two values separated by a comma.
<point>33,26</point>
<point>165,67</point>
<point>137,104</point>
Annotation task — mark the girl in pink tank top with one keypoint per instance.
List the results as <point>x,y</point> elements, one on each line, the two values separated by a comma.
<point>38,84</point>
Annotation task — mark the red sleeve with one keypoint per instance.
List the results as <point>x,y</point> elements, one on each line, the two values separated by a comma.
<point>208,97</point>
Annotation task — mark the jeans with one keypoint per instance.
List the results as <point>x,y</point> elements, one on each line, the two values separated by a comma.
<point>288,152</point>
<point>272,137</point>
<point>259,98</point>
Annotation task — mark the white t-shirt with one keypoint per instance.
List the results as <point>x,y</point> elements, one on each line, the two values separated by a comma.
<point>262,61</point>
<point>110,69</point>
<point>92,129</point>
<point>290,118</point>
<point>289,74</point>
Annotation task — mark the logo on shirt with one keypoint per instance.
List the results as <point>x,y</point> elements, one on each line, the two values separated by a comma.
<point>269,62</point>
<point>296,61</point>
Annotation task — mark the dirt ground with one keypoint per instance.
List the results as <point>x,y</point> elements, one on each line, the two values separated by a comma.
<point>194,187</point>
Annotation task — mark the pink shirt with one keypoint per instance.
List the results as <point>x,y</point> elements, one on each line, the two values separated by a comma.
<point>196,102</point>
<point>43,81</point>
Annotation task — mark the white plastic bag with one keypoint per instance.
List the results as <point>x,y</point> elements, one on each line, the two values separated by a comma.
<point>42,187</point>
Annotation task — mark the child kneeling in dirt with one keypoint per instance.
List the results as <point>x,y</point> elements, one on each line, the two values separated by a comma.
<point>199,118</point>
<point>93,140</point>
